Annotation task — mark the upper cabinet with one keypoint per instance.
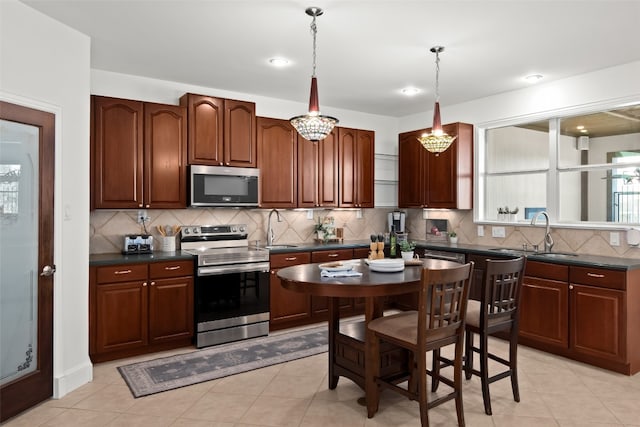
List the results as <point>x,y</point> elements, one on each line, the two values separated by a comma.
<point>356,162</point>
<point>318,172</point>
<point>277,154</point>
<point>222,132</point>
<point>427,180</point>
<point>138,154</point>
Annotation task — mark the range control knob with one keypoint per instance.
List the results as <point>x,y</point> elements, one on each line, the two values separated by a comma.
<point>234,229</point>
<point>243,228</point>
<point>186,231</point>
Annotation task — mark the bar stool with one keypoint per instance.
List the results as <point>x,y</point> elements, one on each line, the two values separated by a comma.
<point>438,322</point>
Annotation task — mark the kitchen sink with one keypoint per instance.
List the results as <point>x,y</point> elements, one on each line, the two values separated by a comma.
<point>554,255</point>
<point>505,250</point>
<point>280,246</point>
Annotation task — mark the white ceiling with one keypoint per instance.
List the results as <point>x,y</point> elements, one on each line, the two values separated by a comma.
<point>367,50</point>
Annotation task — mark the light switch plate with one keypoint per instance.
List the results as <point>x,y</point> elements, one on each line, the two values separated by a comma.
<point>614,238</point>
<point>480,231</point>
<point>498,232</point>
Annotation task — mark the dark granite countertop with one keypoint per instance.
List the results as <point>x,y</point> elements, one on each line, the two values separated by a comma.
<point>559,258</point>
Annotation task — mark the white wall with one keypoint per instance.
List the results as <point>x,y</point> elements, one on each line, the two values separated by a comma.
<point>45,65</point>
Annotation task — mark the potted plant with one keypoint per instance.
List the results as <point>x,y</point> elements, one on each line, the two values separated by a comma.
<point>319,229</point>
<point>453,237</point>
<point>406,249</point>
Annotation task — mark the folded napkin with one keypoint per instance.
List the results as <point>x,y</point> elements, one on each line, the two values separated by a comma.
<point>344,273</point>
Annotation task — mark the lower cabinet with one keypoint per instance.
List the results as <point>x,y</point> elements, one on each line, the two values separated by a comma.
<point>289,308</point>
<point>580,313</point>
<point>139,308</point>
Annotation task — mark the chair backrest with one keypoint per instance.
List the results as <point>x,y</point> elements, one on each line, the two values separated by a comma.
<point>443,304</point>
<point>501,288</point>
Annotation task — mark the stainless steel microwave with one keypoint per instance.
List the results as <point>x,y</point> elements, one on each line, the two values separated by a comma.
<point>223,186</point>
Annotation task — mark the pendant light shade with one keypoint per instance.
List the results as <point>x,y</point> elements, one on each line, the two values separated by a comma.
<point>314,126</point>
<point>437,141</point>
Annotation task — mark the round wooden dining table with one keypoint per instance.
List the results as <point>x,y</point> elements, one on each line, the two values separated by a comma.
<point>348,339</point>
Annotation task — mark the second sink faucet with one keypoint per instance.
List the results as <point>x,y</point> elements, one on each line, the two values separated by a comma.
<point>548,240</point>
<point>270,234</point>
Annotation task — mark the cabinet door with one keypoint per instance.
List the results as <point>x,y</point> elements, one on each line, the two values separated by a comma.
<point>348,168</point>
<point>240,134</point>
<point>441,176</point>
<point>165,145</point>
<point>544,315</point>
<point>365,168</point>
<point>308,179</point>
<point>170,309</point>
<point>277,154</point>
<point>117,148</point>
<point>328,170</point>
<point>411,183</point>
<point>206,129</point>
<point>597,322</point>
<point>121,316</point>
<point>320,305</point>
<point>287,307</point>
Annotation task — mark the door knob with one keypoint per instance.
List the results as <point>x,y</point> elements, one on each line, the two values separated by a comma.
<point>48,270</point>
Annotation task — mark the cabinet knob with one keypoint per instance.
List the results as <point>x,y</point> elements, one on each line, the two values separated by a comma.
<point>144,284</point>
<point>153,283</point>
<point>148,206</point>
<point>140,205</point>
<point>570,286</point>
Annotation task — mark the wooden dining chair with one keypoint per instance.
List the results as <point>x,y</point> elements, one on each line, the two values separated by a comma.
<point>439,321</point>
<point>496,312</point>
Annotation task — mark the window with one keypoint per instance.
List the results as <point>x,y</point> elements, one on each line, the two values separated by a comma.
<point>582,168</point>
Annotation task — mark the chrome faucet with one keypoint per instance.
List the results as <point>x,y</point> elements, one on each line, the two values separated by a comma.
<point>548,240</point>
<point>270,235</point>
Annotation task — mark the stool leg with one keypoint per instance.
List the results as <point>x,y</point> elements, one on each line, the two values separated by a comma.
<point>468,354</point>
<point>435,371</point>
<point>513,363</point>
<point>421,366</point>
<point>484,372</point>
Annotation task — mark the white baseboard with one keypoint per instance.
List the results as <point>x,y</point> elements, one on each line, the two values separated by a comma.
<point>72,379</point>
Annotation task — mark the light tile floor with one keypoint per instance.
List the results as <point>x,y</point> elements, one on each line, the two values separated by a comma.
<point>554,392</point>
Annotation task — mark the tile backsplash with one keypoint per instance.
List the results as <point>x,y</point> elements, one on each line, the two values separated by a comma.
<point>108,228</point>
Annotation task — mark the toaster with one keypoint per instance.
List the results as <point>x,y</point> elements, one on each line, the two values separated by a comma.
<point>138,244</point>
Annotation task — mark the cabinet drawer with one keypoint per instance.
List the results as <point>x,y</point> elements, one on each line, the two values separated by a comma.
<point>121,273</point>
<point>547,271</point>
<point>160,270</point>
<point>613,279</point>
<point>292,258</point>
<point>333,255</point>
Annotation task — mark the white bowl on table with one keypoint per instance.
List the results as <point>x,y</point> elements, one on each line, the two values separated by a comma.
<point>386,265</point>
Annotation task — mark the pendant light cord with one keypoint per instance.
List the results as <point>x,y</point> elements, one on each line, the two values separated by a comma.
<point>314,31</point>
<point>437,76</point>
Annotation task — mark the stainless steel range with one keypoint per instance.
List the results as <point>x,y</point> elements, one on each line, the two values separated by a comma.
<point>231,284</point>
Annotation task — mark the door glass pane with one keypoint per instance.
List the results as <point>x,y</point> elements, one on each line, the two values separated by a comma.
<point>18,249</point>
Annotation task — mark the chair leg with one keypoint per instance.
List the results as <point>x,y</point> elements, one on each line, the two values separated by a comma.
<point>468,355</point>
<point>421,368</point>
<point>484,372</point>
<point>457,381</point>
<point>513,363</point>
<point>372,391</point>
<point>435,371</point>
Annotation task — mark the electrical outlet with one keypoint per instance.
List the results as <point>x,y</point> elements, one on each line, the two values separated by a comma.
<point>480,231</point>
<point>142,216</point>
<point>614,238</point>
<point>359,214</point>
<point>309,213</point>
<point>498,232</point>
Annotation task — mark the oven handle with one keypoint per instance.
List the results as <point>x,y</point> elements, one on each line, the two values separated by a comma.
<point>236,268</point>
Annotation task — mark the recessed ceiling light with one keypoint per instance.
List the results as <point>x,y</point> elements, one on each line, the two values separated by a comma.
<point>580,127</point>
<point>533,78</point>
<point>279,62</point>
<point>410,91</point>
<point>584,131</point>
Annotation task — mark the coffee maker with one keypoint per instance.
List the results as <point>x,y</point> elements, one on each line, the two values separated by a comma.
<point>396,219</point>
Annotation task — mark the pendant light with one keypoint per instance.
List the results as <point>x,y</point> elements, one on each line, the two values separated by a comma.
<point>437,141</point>
<point>314,126</point>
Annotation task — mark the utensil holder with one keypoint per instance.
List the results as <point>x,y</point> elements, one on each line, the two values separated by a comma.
<point>167,244</point>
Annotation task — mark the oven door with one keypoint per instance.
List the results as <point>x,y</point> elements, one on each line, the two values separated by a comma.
<point>231,295</point>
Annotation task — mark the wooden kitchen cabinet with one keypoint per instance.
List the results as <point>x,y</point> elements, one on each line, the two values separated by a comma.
<point>318,172</point>
<point>138,154</point>
<point>287,307</point>
<point>544,309</point>
<point>139,308</point>
<point>444,180</point>
<point>221,132</point>
<point>170,301</point>
<point>356,166</point>
<point>277,160</point>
